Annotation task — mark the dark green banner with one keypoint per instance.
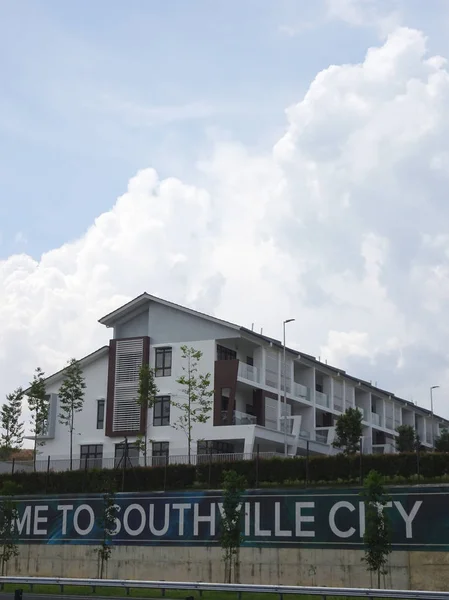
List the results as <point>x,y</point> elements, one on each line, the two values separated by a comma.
<point>419,518</point>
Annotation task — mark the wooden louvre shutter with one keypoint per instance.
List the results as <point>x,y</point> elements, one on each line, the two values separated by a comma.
<point>124,415</point>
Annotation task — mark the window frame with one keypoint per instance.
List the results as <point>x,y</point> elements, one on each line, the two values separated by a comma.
<point>101,419</point>
<point>224,353</point>
<point>164,419</point>
<point>159,449</point>
<point>164,370</point>
<point>91,458</point>
<point>133,454</point>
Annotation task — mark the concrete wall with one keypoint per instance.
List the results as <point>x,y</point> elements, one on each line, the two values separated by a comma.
<point>341,568</point>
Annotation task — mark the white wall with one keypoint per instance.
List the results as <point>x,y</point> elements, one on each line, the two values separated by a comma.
<point>96,375</point>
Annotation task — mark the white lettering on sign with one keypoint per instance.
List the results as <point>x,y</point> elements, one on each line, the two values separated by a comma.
<point>333,511</point>
<point>24,521</point>
<point>300,519</point>
<point>277,522</point>
<point>76,526</point>
<point>181,508</point>
<point>65,509</point>
<point>197,518</point>
<point>117,523</point>
<point>143,518</point>
<point>38,520</point>
<point>247,519</point>
<point>166,525</point>
<point>257,530</point>
<point>408,518</point>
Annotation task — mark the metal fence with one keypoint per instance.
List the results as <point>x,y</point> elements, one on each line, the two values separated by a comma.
<point>236,588</point>
<point>50,463</point>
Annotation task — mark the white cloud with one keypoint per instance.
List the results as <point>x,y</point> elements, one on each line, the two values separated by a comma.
<point>342,225</point>
<point>383,15</point>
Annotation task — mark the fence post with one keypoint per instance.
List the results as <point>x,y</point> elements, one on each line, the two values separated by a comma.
<point>210,463</point>
<point>257,466</point>
<point>307,462</point>
<point>13,466</point>
<point>165,473</point>
<point>418,470</point>
<point>48,473</point>
<point>361,461</point>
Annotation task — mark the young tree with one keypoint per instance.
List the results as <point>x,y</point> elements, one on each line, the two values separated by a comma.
<point>148,392</point>
<point>197,403</point>
<point>71,398</point>
<point>407,439</point>
<point>377,526</point>
<point>10,414</point>
<point>442,442</point>
<point>8,524</point>
<point>348,431</point>
<point>38,405</point>
<point>234,486</point>
<point>107,524</point>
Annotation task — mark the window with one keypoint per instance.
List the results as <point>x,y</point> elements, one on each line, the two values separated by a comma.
<point>214,447</point>
<point>161,411</point>
<point>225,353</point>
<point>160,452</point>
<point>163,362</point>
<point>250,361</point>
<point>132,455</point>
<point>91,456</point>
<point>100,413</point>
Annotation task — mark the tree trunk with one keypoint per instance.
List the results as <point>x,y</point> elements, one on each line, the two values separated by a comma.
<point>378,579</point>
<point>71,439</point>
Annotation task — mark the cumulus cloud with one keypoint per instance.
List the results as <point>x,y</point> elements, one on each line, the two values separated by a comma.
<point>342,225</point>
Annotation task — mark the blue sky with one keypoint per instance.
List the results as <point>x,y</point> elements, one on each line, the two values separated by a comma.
<point>301,159</point>
<point>94,91</point>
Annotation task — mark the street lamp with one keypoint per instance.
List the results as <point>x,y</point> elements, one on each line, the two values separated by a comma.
<point>285,386</point>
<point>434,387</point>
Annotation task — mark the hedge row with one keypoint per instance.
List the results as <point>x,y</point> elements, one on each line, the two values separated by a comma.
<point>275,471</point>
<point>139,479</point>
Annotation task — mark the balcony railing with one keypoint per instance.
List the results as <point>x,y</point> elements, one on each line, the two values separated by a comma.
<point>375,419</point>
<point>389,423</point>
<point>238,418</point>
<point>338,403</point>
<point>248,372</point>
<point>383,448</point>
<point>428,437</point>
<point>300,391</point>
<point>322,436</point>
<point>322,399</point>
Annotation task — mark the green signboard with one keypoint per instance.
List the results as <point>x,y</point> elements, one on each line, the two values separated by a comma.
<point>325,518</point>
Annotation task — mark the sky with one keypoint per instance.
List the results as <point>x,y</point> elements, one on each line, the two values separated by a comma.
<point>254,159</point>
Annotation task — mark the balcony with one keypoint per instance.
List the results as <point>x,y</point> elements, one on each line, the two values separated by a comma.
<point>301,391</point>
<point>322,399</point>
<point>383,448</point>
<point>429,437</point>
<point>338,403</point>
<point>238,418</point>
<point>375,419</point>
<point>248,372</point>
<point>321,435</point>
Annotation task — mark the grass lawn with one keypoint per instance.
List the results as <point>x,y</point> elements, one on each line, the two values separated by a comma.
<point>48,590</point>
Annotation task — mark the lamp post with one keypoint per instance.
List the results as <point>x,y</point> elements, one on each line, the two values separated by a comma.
<point>434,387</point>
<point>285,385</point>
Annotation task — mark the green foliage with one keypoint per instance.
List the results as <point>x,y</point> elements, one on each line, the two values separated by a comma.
<point>442,442</point>
<point>197,395</point>
<point>12,435</point>
<point>8,529</point>
<point>71,398</point>
<point>234,486</point>
<point>273,472</point>
<point>146,398</point>
<point>407,440</point>
<point>377,526</point>
<point>38,405</point>
<point>107,524</point>
<point>348,431</point>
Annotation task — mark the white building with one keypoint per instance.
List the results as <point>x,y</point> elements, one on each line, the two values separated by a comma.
<point>249,408</point>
